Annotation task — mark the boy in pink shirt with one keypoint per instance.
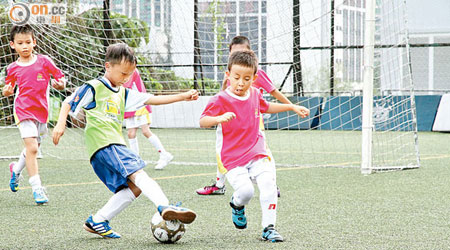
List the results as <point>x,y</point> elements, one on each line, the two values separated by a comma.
<point>236,113</point>
<point>142,119</point>
<point>31,73</point>
<point>263,83</point>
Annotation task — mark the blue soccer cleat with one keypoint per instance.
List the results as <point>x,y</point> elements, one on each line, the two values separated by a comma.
<point>270,234</point>
<point>102,228</point>
<point>14,181</point>
<point>40,197</point>
<point>171,212</point>
<point>238,215</point>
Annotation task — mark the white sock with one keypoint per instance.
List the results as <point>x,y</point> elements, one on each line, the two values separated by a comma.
<point>220,181</point>
<point>35,182</point>
<point>268,198</point>
<point>151,189</point>
<point>116,204</point>
<point>154,140</point>
<point>20,165</point>
<point>134,145</point>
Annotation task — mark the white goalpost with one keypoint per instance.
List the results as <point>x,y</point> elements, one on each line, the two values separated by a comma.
<point>347,61</point>
<point>367,122</point>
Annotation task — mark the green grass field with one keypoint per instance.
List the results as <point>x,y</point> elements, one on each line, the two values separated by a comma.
<point>320,208</point>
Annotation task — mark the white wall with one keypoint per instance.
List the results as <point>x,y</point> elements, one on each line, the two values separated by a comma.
<point>179,115</point>
<point>279,40</point>
<point>428,16</point>
<point>182,29</point>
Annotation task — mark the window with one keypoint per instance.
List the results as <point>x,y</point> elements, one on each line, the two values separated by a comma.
<point>215,46</point>
<point>157,13</point>
<point>145,10</point>
<point>134,8</point>
<point>248,7</point>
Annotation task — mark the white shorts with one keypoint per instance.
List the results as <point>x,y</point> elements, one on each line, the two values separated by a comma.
<point>238,176</point>
<point>32,128</point>
<point>138,121</point>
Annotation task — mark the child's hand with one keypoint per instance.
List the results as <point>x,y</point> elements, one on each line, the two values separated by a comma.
<point>58,131</point>
<point>59,85</point>
<point>228,116</point>
<point>8,90</point>
<point>190,95</point>
<point>301,111</point>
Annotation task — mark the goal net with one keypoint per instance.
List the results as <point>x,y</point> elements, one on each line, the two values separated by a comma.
<point>313,52</point>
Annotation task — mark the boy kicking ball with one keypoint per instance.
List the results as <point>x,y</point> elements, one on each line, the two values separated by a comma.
<point>104,102</point>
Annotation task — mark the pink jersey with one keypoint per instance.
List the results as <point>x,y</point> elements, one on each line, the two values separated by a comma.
<point>240,140</point>
<point>136,83</point>
<point>262,82</point>
<point>31,101</point>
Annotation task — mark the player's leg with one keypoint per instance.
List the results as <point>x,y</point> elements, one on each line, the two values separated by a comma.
<point>39,153</point>
<point>31,145</point>
<point>112,165</point>
<point>272,161</point>
<point>153,191</point>
<point>218,188</point>
<point>118,202</point>
<point>32,133</point>
<point>130,124</point>
<point>164,156</point>
<point>99,222</point>
<point>16,169</point>
<point>243,191</point>
<point>264,174</point>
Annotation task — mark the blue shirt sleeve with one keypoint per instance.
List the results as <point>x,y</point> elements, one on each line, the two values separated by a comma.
<point>84,96</point>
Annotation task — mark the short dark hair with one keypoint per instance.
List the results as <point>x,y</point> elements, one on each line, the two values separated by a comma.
<point>118,52</point>
<point>239,40</point>
<point>244,58</point>
<point>20,29</point>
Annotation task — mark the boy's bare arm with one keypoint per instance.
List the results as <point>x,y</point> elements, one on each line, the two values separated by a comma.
<point>60,127</point>
<point>280,97</point>
<point>209,121</point>
<point>166,99</point>
<point>278,107</point>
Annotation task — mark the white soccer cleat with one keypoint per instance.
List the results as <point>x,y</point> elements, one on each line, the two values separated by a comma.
<point>164,159</point>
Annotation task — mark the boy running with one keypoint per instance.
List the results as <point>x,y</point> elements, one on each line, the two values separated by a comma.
<point>236,113</point>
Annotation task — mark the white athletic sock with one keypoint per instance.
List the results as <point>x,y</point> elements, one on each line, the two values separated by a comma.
<point>154,140</point>
<point>268,198</point>
<point>134,145</point>
<point>35,182</point>
<point>220,181</point>
<point>20,165</point>
<point>151,189</point>
<point>116,204</point>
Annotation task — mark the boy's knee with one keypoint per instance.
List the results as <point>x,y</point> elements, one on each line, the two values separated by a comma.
<point>267,185</point>
<point>31,148</point>
<point>136,191</point>
<point>131,133</point>
<point>244,194</point>
<point>147,133</point>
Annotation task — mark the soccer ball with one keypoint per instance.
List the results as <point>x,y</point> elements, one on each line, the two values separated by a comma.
<point>166,231</point>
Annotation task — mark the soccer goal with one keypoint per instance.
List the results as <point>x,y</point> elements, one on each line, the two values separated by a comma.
<point>347,61</point>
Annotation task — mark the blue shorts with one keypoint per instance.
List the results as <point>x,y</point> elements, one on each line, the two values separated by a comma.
<point>114,163</point>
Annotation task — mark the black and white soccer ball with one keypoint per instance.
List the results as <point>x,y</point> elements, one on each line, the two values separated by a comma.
<point>166,231</point>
